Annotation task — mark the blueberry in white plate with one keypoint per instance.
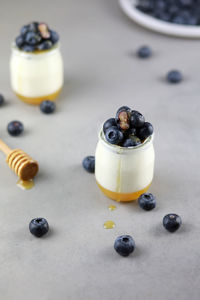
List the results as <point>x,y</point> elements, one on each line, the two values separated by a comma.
<point>124,245</point>
<point>147,201</point>
<point>15,128</point>
<point>172,222</point>
<point>39,227</point>
<point>89,164</point>
<point>47,106</point>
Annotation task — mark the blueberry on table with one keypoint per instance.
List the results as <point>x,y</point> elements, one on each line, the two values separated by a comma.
<point>89,164</point>
<point>144,52</point>
<point>109,123</point>
<point>172,222</point>
<point>1,100</point>
<point>39,227</point>
<point>114,135</point>
<point>15,128</point>
<point>124,245</point>
<point>145,131</point>
<point>54,36</point>
<point>137,120</point>
<point>47,106</point>
<point>174,76</point>
<point>147,201</point>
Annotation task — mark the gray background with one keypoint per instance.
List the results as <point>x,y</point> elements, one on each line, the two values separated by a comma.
<point>76,260</point>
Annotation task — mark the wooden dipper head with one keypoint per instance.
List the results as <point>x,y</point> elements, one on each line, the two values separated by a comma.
<point>22,164</point>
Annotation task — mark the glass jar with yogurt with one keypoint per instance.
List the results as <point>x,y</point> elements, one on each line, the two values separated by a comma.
<point>123,174</point>
<point>36,76</point>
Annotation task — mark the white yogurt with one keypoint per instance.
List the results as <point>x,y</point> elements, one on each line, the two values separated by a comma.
<point>124,170</point>
<point>36,74</point>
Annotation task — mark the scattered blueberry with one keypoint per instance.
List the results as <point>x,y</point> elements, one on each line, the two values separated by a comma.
<point>137,119</point>
<point>109,123</point>
<point>144,52</point>
<point>89,164</point>
<point>15,128</point>
<point>145,131</point>
<point>174,76</point>
<point>172,222</point>
<point>47,106</point>
<point>124,245</point>
<point>147,201</point>
<point>114,135</point>
<point>1,100</point>
<point>39,227</point>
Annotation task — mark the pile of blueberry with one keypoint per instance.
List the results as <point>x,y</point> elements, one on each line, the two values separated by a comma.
<point>36,36</point>
<point>127,129</point>
<point>186,12</point>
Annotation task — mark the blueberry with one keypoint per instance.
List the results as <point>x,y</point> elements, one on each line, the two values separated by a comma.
<point>132,131</point>
<point>54,36</point>
<point>34,27</point>
<point>45,45</point>
<point>32,38</point>
<point>47,106</point>
<point>144,52</point>
<point>114,135</point>
<point>1,100</point>
<point>24,30</point>
<point>172,222</point>
<point>145,131</point>
<point>147,201</point>
<point>124,245</point>
<point>174,76</point>
<point>28,48</point>
<point>131,142</point>
<point>110,122</point>
<point>137,120</point>
<point>19,41</point>
<point>89,164</point>
<point>38,227</point>
<point>15,128</point>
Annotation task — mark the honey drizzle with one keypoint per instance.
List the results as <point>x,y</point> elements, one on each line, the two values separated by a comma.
<point>25,184</point>
<point>109,225</point>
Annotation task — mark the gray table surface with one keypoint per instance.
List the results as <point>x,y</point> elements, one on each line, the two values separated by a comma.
<point>76,260</point>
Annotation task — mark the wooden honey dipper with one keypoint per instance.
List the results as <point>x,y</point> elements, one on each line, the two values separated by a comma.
<point>20,162</point>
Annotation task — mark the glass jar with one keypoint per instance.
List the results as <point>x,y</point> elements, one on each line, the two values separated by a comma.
<point>123,174</point>
<point>36,76</point>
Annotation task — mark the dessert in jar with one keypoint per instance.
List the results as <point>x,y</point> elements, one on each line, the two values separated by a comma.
<point>36,65</point>
<point>124,159</point>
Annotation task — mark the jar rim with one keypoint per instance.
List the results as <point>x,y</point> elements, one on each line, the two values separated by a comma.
<point>34,53</point>
<point>121,149</point>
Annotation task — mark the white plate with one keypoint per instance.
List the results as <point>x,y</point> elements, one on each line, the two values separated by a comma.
<point>128,6</point>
